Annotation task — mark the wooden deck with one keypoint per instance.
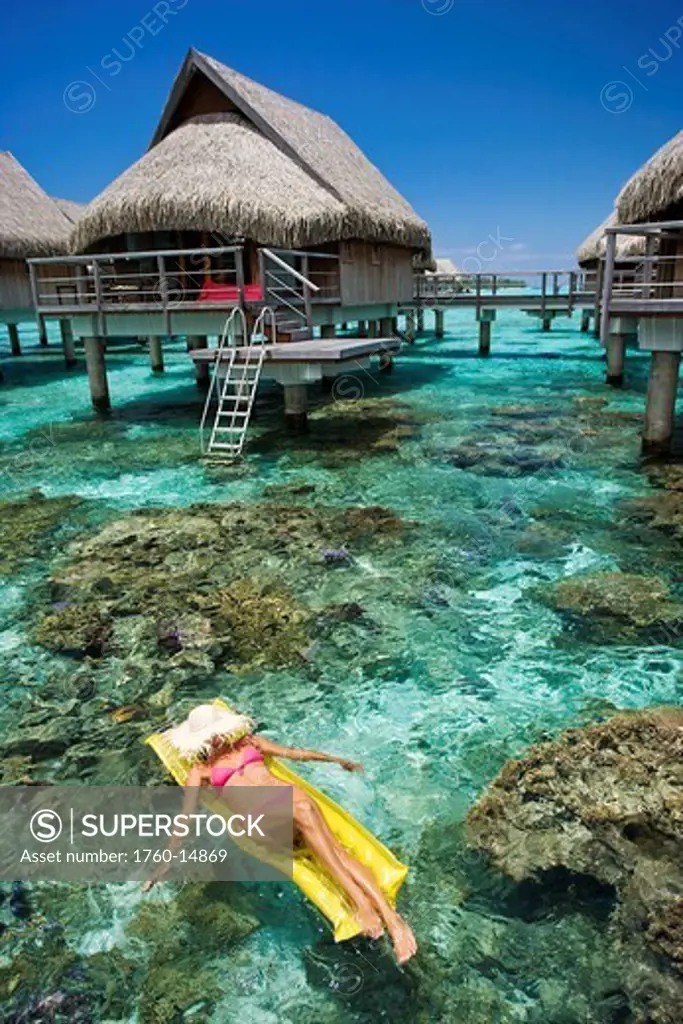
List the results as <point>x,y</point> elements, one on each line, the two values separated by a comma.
<point>316,350</point>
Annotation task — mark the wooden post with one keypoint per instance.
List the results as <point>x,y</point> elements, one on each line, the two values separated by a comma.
<point>97,373</point>
<point>585,321</point>
<point>484,337</point>
<point>201,370</point>
<point>42,332</point>
<point>598,299</point>
<point>156,353</point>
<point>386,362</point>
<point>386,327</point>
<point>410,327</point>
<point>373,329</point>
<point>296,407</point>
<point>14,343</point>
<point>362,328</point>
<point>420,320</point>
<point>438,323</point>
<point>544,290</point>
<point>328,331</point>
<point>68,346</point>
<point>616,357</point>
<point>660,407</point>
<point>547,323</point>
<point>608,277</point>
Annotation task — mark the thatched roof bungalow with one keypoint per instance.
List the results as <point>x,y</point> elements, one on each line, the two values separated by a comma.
<point>31,224</point>
<point>71,209</point>
<point>232,161</point>
<point>655,192</point>
<point>592,249</point>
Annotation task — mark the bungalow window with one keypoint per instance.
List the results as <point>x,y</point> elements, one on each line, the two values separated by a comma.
<point>376,255</point>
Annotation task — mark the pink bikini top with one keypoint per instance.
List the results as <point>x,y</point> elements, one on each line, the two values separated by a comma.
<point>221,774</point>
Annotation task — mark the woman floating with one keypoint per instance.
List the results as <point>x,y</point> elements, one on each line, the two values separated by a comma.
<point>226,753</point>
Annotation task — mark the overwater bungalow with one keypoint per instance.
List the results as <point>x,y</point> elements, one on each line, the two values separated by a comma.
<point>71,209</point>
<point>591,255</point>
<point>650,208</point>
<point>245,199</point>
<point>31,224</point>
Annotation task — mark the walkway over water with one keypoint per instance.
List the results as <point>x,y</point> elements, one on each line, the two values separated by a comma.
<point>554,290</point>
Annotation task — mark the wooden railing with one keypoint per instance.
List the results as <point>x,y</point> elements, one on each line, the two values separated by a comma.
<point>167,280</point>
<point>647,285</point>
<point>551,288</point>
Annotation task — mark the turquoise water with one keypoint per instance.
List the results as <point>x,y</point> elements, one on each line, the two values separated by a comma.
<point>510,473</point>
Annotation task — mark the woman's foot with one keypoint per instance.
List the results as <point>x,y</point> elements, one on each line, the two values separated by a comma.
<point>370,921</point>
<point>402,939</point>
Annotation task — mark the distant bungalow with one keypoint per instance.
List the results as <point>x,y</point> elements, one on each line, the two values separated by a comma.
<point>31,224</point>
<point>650,208</point>
<point>590,256</point>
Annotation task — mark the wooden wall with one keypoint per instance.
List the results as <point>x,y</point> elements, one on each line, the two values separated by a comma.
<point>372,274</point>
<point>15,289</point>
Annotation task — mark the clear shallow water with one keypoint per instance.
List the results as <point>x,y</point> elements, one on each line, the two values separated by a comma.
<point>461,669</point>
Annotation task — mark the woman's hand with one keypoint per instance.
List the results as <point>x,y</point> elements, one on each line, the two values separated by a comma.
<point>156,877</point>
<point>351,766</point>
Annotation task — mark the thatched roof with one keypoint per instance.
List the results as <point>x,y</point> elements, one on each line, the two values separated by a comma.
<point>654,192</point>
<point>267,168</point>
<point>593,247</point>
<point>71,209</point>
<point>31,224</point>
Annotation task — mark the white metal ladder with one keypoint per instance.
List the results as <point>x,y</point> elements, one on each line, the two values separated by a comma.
<point>236,376</point>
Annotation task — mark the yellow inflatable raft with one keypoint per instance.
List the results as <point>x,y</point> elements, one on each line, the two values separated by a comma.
<point>308,874</point>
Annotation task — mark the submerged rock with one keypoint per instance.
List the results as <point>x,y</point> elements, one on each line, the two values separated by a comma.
<point>492,459</point>
<point>77,630</point>
<point>172,594</point>
<point>605,801</point>
<point>203,921</point>
<point>617,600</point>
<point>662,511</point>
<point>26,523</point>
<point>347,430</point>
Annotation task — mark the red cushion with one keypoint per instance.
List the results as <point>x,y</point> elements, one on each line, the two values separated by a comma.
<point>213,291</point>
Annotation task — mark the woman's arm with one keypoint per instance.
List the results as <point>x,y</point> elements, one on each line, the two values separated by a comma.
<point>190,801</point>
<point>294,754</point>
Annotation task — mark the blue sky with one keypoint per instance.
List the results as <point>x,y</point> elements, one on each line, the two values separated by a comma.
<point>512,120</point>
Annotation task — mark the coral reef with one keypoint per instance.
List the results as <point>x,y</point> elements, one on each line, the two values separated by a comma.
<point>149,606</point>
<point>172,589</point>
<point>614,603</point>
<point>507,460</point>
<point>605,801</point>
<point>25,525</point>
<point>180,936</point>
<point>348,429</point>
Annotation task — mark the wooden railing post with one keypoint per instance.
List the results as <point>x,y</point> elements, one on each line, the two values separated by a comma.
<point>163,292</point>
<point>307,294</point>
<point>608,278</point>
<point>544,290</point>
<point>99,298</point>
<point>239,267</point>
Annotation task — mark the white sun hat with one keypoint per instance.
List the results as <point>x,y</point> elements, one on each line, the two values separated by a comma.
<point>193,736</point>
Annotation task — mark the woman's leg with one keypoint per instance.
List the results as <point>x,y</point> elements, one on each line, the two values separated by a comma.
<point>321,842</point>
<point>401,934</point>
<point>324,845</point>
